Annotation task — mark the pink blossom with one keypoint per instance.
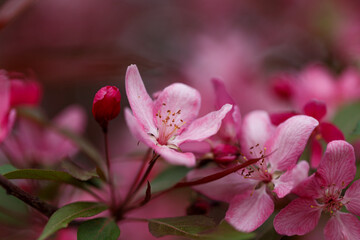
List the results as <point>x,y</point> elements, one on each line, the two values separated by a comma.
<point>169,120</point>
<point>322,192</point>
<point>33,144</point>
<point>248,191</point>
<point>316,82</point>
<point>7,116</point>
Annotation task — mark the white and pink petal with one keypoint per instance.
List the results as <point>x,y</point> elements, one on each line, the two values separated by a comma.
<point>204,127</point>
<point>249,210</point>
<point>289,141</point>
<point>256,130</point>
<point>290,179</point>
<point>140,102</point>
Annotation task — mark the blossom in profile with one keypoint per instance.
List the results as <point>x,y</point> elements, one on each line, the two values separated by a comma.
<point>106,105</point>
<point>33,145</point>
<point>7,116</point>
<point>249,191</point>
<point>323,192</point>
<point>169,120</point>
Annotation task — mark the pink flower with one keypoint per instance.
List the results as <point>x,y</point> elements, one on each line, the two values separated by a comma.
<point>169,120</point>
<point>33,144</point>
<point>248,191</point>
<point>322,192</point>
<point>316,82</point>
<point>106,105</point>
<point>7,116</point>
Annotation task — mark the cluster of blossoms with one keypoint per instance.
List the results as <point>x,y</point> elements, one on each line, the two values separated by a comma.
<point>251,163</point>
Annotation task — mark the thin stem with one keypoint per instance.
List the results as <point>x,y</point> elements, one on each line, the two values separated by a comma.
<point>207,179</point>
<point>29,199</point>
<point>108,165</point>
<point>141,182</point>
<point>140,171</point>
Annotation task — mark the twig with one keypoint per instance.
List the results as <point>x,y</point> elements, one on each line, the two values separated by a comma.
<point>27,198</point>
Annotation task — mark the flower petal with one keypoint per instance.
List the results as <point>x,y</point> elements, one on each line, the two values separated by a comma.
<point>291,179</point>
<point>137,130</point>
<point>315,109</point>
<point>330,132</point>
<point>175,157</point>
<point>203,127</point>
<point>338,164</point>
<point>277,118</point>
<point>223,189</point>
<point>297,218</point>
<point>231,125</point>
<point>289,141</point>
<point>256,129</point>
<point>178,101</point>
<point>342,226</point>
<point>249,210</point>
<point>352,198</point>
<point>316,153</point>
<point>4,104</point>
<point>140,102</point>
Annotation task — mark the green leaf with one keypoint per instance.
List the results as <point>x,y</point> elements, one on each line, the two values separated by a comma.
<point>347,119</point>
<point>187,226</point>
<point>62,217</point>
<point>98,229</point>
<point>7,168</point>
<point>76,171</point>
<point>41,174</point>
<point>226,232</point>
<point>168,178</point>
<point>12,210</point>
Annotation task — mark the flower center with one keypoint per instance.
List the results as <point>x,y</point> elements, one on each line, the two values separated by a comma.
<point>168,123</point>
<point>331,200</point>
<point>258,171</point>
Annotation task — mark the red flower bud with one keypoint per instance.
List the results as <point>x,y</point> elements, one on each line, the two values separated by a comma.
<point>106,105</point>
<point>225,153</point>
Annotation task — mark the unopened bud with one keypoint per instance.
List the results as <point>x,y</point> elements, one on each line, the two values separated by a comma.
<point>106,105</point>
<point>225,153</point>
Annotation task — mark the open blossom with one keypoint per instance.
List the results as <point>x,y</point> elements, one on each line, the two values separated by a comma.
<point>169,120</point>
<point>322,192</point>
<point>7,116</point>
<point>249,191</point>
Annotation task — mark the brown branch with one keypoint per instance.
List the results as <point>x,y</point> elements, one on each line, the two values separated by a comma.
<point>27,198</point>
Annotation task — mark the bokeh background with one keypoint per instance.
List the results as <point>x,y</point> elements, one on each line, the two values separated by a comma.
<point>260,49</point>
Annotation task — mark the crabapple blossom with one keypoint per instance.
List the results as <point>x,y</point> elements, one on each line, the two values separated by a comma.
<point>323,192</point>
<point>249,191</point>
<point>169,120</point>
